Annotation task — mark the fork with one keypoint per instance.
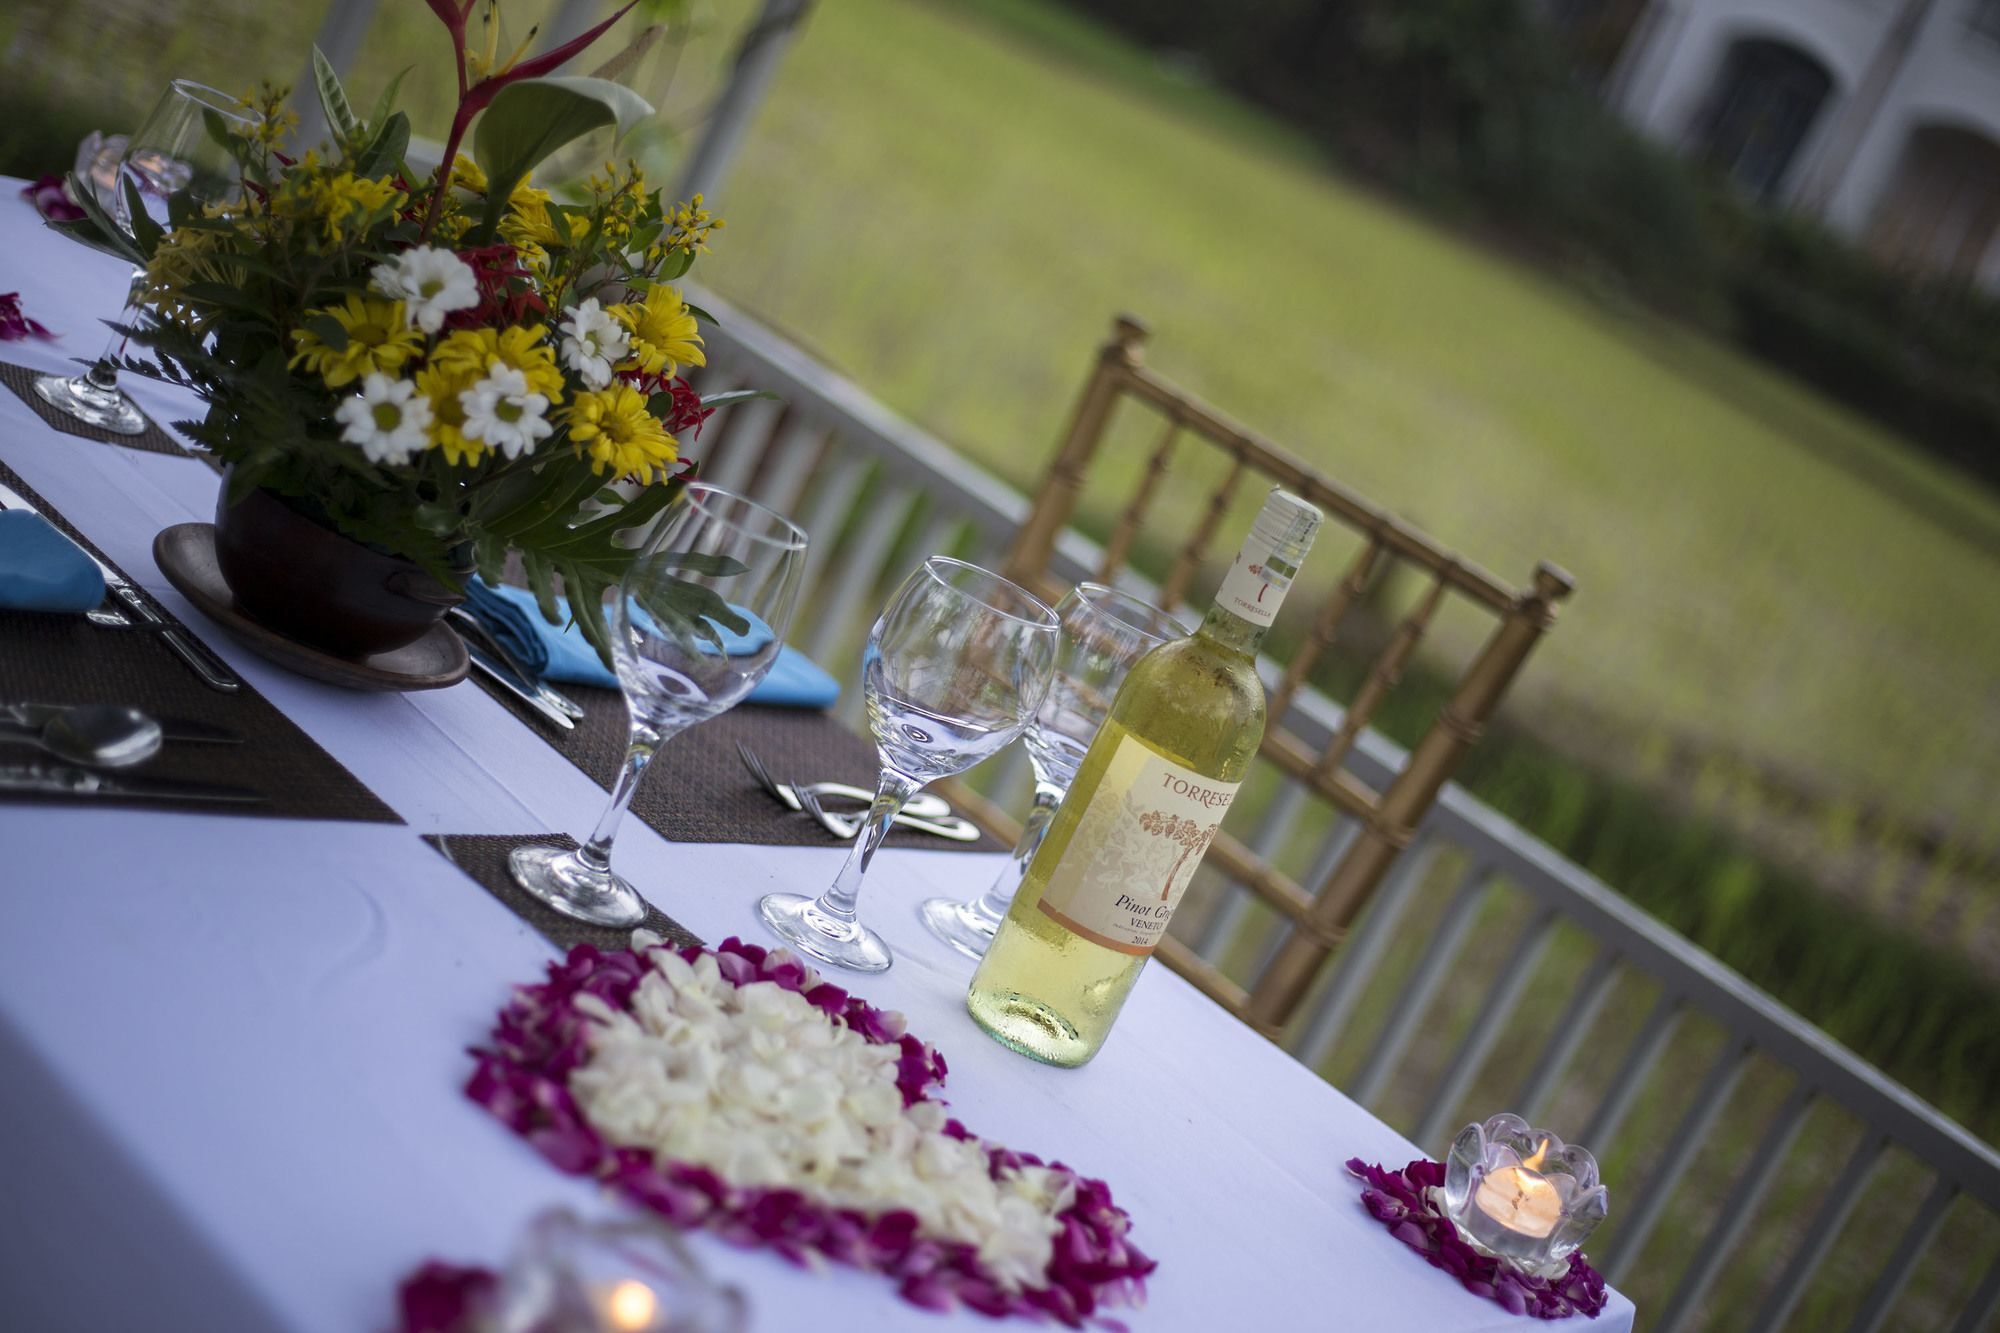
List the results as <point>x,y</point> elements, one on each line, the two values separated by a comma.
<point>924,805</point>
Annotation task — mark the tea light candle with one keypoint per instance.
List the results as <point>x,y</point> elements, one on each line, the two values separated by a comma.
<point>630,1306</point>
<point>1520,1198</point>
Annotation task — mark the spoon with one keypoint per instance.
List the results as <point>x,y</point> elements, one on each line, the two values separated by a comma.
<point>100,735</point>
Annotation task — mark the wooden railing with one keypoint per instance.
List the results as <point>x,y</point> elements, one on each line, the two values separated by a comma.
<point>1757,1165</point>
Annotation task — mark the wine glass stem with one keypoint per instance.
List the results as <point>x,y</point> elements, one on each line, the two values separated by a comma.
<point>892,791</point>
<point>999,895</point>
<point>103,372</point>
<point>639,752</point>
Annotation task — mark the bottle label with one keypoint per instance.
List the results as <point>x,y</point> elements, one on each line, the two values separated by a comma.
<point>1256,584</point>
<point>1135,849</point>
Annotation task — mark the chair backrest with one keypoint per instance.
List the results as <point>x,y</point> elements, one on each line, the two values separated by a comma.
<point>1317,919</point>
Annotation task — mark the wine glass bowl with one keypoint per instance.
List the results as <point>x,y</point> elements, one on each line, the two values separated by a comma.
<point>697,620</point>
<point>183,145</point>
<point>953,672</point>
<point>1103,632</point>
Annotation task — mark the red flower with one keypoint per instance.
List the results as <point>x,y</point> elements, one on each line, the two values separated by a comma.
<point>686,412</point>
<point>51,200</point>
<point>507,293</point>
<point>15,325</point>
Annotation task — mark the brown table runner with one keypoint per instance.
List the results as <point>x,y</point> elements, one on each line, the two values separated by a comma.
<point>483,858</point>
<point>65,659</point>
<point>698,790</point>
<point>152,440</point>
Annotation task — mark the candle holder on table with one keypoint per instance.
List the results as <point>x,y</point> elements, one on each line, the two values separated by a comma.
<point>1522,1195</point>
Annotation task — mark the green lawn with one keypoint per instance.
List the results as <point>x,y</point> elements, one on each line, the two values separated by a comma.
<point>951,217</point>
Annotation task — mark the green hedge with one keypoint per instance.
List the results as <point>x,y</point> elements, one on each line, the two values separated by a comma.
<point>1473,107</point>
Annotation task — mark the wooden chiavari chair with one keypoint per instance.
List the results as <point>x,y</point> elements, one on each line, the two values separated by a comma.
<point>1314,920</point>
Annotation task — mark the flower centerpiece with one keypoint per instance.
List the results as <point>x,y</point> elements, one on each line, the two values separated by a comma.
<point>443,367</point>
<point>734,1089</point>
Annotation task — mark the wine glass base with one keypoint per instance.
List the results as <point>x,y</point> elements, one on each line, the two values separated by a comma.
<point>558,877</point>
<point>798,921</point>
<point>94,405</point>
<point>959,924</point>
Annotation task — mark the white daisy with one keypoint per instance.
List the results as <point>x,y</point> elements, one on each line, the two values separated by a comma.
<point>502,412</point>
<point>593,342</point>
<point>387,419</point>
<point>431,283</point>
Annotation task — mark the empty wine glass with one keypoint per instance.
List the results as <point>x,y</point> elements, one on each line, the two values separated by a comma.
<point>184,144</point>
<point>1104,631</point>
<point>953,672</point>
<point>696,622</point>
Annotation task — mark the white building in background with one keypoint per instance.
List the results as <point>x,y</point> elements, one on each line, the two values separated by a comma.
<point>1882,117</point>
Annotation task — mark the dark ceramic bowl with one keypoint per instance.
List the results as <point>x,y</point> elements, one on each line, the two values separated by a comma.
<point>312,584</point>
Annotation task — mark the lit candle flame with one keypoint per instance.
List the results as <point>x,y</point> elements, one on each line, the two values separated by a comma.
<point>1533,1162</point>
<point>631,1305</point>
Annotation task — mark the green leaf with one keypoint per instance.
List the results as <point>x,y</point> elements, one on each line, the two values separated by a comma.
<point>441,519</point>
<point>387,101</point>
<point>332,97</point>
<point>586,603</point>
<point>738,396</point>
<point>328,330</point>
<point>87,231</point>
<point>384,152</point>
<point>715,566</point>
<point>218,131</point>
<point>539,576</point>
<point>145,232</point>
<point>700,314</point>
<point>676,263</point>
<point>529,120</point>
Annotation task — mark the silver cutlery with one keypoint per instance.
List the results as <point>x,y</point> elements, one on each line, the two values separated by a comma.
<point>924,805</point>
<point>171,728</point>
<point>99,735</point>
<point>848,827</point>
<point>210,669</point>
<point>67,780</point>
<point>465,623</point>
<point>497,672</point>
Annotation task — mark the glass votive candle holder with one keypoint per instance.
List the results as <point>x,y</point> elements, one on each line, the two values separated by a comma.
<point>629,1275</point>
<point>1522,1195</point>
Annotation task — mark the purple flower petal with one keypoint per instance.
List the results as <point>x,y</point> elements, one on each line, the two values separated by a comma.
<point>541,1037</point>
<point>1398,1199</point>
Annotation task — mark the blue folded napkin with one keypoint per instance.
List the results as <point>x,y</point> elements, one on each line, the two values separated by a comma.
<point>561,653</point>
<point>42,570</point>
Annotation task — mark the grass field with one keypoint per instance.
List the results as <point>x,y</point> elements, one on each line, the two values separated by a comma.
<point>953,218</point>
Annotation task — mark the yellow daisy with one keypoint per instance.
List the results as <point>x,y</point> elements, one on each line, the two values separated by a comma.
<point>523,347</point>
<point>664,333</point>
<point>613,429</point>
<point>442,386</point>
<point>468,175</point>
<point>377,339</point>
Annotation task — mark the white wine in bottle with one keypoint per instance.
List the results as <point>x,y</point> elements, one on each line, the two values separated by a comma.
<point>1146,802</point>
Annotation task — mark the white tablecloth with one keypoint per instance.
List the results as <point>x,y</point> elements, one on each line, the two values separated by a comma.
<point>231,1048</point>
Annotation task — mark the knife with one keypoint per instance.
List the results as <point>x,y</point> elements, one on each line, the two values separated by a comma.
<point>517,687</point>
<point>64,780</point>
<point>211,669</point>
<point>171,728</point>
<point>475,633</point>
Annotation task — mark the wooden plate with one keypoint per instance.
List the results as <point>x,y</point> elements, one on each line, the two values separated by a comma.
<point>186,555</point>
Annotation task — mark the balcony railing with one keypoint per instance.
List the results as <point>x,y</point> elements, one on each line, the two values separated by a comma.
<point>1745,1146</point>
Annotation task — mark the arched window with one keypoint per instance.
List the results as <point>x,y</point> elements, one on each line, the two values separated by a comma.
<point>1764,102</point>
<point>1941,212</point>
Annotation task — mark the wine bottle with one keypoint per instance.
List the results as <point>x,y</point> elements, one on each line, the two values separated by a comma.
<point>1147,800</point>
